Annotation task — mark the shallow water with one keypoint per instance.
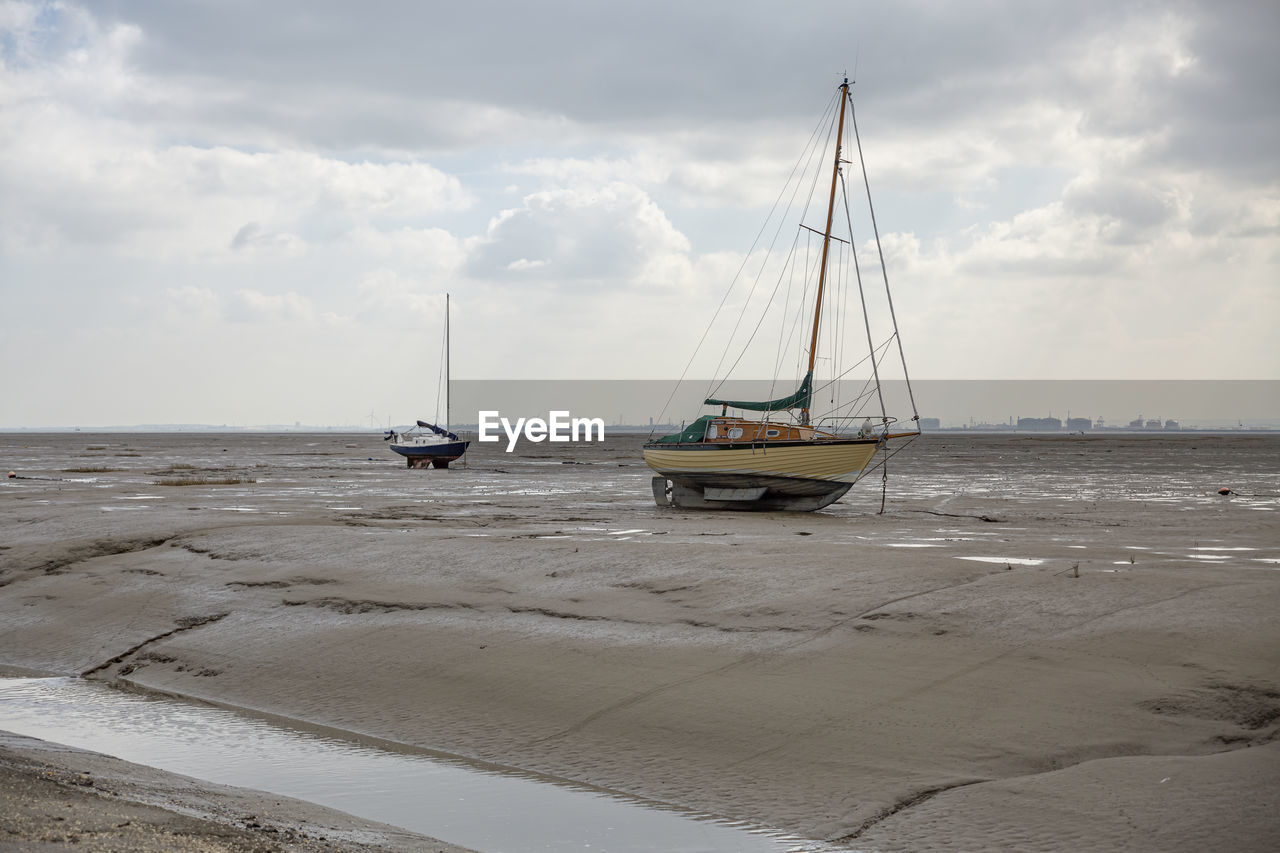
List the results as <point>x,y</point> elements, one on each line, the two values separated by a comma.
<point>445,798</point>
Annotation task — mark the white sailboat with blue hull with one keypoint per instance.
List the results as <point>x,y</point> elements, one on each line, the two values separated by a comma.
<point>427,444</point>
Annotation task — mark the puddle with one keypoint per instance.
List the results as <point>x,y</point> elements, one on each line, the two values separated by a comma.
<point>1014,561</point>
<point>911,545</point>
<point>437,795</point>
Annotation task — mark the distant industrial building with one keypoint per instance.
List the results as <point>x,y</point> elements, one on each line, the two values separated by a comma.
<point>930,423</point>
<point>1153,423</point>
<point>1081,424</point>
<point>1039,423</point>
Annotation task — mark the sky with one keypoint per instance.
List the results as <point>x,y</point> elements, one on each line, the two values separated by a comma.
<point>242,213</point>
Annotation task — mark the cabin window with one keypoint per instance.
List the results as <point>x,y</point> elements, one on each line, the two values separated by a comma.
<point>772,433</point>
<point>713,431</point>
<point>735,432</point>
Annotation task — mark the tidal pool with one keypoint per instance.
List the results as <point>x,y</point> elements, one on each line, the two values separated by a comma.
<point>487,809</point>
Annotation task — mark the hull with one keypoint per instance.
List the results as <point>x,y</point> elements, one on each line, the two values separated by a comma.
<point>805,462</point>
<point>438,454</point>
<point>792,475</point>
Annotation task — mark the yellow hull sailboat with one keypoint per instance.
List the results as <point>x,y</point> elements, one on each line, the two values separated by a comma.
<point>784,460</point>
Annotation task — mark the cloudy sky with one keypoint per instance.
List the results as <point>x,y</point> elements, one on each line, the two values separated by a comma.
<point>249,213</point>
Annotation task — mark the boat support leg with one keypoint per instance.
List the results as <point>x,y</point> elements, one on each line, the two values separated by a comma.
<point>663,494</point>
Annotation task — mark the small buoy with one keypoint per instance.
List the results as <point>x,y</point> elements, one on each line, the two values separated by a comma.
<point>12,475</point>
<point>1224,491</point>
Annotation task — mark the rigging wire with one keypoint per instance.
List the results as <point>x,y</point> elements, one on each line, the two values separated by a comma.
<point>915,413</point>
<point>875,366</point>
<point>747,345</point>
<point>846,261</point>
<point>733,282</point>
<point>841,300</point>
<point>713,386</point>
<point>783,338</point>
<point>797,331</point>
<point>798,315</point>
<point>888,455</point>
<point>878,354</point>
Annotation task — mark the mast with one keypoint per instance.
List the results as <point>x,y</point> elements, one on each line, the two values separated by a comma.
<point>826,240</point>
<point>446,362</point>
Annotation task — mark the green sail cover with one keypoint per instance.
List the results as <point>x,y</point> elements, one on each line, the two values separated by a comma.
<point>695,431</point>
<point>798,400</point>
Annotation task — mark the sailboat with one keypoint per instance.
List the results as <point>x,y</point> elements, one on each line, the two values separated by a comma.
<point>427,444</point>
<point>788,459</point>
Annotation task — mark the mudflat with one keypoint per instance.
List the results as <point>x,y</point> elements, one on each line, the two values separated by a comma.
<point>1045,642</point>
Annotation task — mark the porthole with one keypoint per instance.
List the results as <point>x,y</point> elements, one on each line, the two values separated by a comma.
<point>735,432</point>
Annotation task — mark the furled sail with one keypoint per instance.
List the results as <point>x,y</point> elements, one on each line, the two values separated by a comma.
<point>438,430</point>
<point>799,400</point>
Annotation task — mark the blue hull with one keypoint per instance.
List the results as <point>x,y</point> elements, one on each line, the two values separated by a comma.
<point>452,450</point>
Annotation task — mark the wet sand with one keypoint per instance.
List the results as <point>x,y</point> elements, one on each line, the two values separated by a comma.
<point>1045,643</point>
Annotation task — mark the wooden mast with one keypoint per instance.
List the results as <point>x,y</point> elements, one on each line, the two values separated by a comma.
<point>826,241</point>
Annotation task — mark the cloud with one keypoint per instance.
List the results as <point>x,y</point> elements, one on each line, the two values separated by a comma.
<point>432,251</point>
<point>85,160</point>
<point>251,305</point>
<point>135,198</point>
<point>252,237</point>
<point>612,232</point>
<point>1089,189</point>
<point>191,304</point>
<point>1124,211</point>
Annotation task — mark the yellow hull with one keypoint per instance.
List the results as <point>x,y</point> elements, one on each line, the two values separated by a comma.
<point>836,462</point>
